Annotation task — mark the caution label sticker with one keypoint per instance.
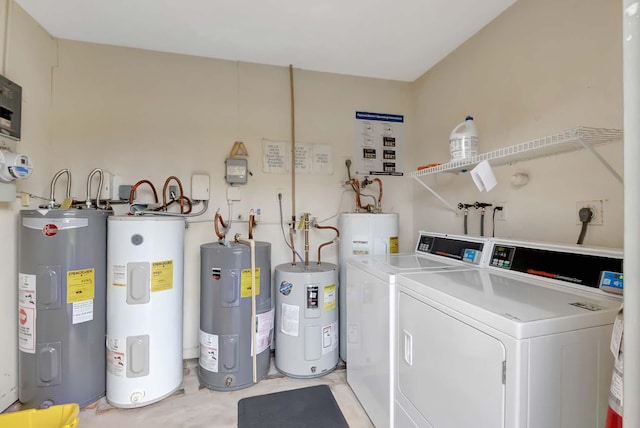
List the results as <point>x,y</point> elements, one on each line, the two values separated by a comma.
<point>116,358</point>
<point>162,275</point>
<point>329,297</point>
<point>119,275</point>
<point>209,351</point>
<point>245,282</point>
<point>393,245</point>
<point>27,329</point>
<point>329,337</point>
<point>80,285</point>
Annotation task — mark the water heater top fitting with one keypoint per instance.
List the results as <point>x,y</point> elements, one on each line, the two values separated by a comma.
<point>14,165</point>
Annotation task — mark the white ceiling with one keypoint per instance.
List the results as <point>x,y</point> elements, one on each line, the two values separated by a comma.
<point>397,40</point>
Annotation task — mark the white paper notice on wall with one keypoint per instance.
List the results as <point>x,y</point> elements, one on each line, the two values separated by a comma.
<point>483,176</point>
<point>310,158</point>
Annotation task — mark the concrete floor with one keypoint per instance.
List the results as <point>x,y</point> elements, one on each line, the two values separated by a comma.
<point>193,407</point>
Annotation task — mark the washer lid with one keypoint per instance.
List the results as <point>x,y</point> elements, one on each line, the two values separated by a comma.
<point>387,267</point>
<point>520,308</point>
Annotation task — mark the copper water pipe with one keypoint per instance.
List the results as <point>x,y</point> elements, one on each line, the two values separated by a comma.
<point>252,222</point>
<point>379,194</point>
<point>330,242</point>
<point>135,186</point>
<point>356,188</point>
<point>164,192</point>
<point>218,219</point>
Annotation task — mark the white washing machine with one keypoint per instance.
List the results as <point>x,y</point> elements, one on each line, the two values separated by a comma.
<point>521,343</point>
<point>370,312</point>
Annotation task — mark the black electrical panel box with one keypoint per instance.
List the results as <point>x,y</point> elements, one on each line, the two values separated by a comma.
<point>10,108</point>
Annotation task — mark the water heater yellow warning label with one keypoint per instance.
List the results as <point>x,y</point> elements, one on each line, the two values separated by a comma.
<point>80,285</point>
<point>329,297</point>
<point>245,282</point>
<point>393,245</point>
<point>162,275</point>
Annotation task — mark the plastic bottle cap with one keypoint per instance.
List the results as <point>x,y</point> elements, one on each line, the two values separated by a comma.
<point>469,118</point>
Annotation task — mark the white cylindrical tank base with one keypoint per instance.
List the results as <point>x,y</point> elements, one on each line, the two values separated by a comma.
<point>306,300</point>
<point>145,259</point>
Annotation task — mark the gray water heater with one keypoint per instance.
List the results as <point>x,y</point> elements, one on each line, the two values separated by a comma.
<point>62,306</point>
<point>226,359</point>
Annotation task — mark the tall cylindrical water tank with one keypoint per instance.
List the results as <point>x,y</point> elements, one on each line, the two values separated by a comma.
<point>362,234</point>
<point>144,309</point>
<point>306,319</point>
<point>226,354</point>
<point>62,304</point>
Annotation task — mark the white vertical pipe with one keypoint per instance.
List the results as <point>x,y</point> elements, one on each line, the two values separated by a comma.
<point>631,95</point>
<point>254,349</point>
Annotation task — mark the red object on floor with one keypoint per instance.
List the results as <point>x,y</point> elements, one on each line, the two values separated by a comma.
<point>614,420</point>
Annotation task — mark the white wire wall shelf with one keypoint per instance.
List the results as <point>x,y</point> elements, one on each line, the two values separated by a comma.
<point>562,142</point>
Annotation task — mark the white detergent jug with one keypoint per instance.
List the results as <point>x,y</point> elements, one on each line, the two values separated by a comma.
<point>463,140</point>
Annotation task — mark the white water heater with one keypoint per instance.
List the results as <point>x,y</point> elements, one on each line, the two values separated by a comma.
<point>362,234</point>
<point>145,259</point>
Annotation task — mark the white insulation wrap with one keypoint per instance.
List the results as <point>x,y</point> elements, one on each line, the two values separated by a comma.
<point>145,260</point>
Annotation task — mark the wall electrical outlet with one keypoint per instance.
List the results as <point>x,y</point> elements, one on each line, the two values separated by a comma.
<point>597,206</point>
<point>107,186</point>
<point>501,215</point>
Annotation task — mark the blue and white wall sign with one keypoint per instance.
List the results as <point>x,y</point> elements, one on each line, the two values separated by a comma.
<point>379,143</point>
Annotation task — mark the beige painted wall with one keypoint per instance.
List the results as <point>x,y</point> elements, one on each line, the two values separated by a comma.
<point>142,114</point>
<point>541,67</point>
<point>29,57</point>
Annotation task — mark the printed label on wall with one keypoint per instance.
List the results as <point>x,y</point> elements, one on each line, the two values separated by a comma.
<point>329,337</point>
<point>116,363</point>
<point>162,275</point>
<point>245,282</point>
<point>209,351</point>
<point>264,328</point>
<point>119,275</point>
<point>393,245</point>
<point>82,311</point>
<point>290,319</point>
<point>80,285</point>
<point>329,297</point>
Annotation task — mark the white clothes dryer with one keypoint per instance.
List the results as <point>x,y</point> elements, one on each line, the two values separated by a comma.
<point>521,343</point>
<point>370,312</point>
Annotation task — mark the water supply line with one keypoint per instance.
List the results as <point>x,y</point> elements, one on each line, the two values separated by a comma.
<point>377,180</point>
<point>305,219</point>
<point>181,198</point>
<point>138,184</point>
<point>252,223</point>
<point>54,180</point>
<point>252,246</point>
<point>293,163</point>
<point>334,240</point>
<point>483,206</point>
<point>218,219</point>
<point>91,174</point>
<point>466,214</point>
